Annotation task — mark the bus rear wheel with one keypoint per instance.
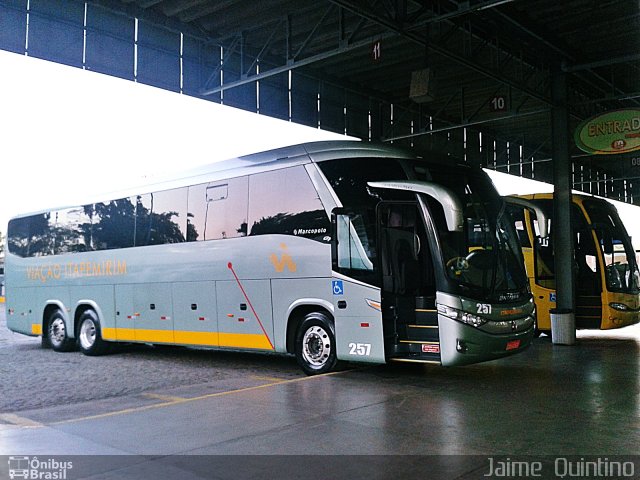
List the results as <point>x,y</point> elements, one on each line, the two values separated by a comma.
<point>316,344</point>
<point>89,335</point>
<point>57,334</point>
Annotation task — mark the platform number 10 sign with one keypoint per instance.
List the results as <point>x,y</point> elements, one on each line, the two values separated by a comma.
<point>498,104</point>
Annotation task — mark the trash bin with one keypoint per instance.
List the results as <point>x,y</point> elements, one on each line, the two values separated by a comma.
<point>563,326</point>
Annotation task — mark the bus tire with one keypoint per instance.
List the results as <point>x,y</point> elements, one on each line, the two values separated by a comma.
<point>90,340</point>
<point>44,340</point>
<point>315,344</point>
<point>57,333</point>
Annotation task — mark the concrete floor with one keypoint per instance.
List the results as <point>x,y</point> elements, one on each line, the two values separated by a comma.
<point>547,402</point>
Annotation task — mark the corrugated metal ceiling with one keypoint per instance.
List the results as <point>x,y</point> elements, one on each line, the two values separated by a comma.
<point>476,50</point>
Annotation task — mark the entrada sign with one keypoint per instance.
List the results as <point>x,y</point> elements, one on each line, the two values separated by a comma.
<point>613,132</point>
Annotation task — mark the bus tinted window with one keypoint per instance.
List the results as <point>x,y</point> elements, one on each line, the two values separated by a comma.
<point>352,189</point>
<point>71,227</point>
<point>161,217</point>
<point>621,272</point>
<point>32,236</point>
<point>114,225</point>
<point>18,236</point>
<point>286,202</point>
<point>218,210</point>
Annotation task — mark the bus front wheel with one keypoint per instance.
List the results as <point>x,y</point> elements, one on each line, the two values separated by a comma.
<point>57,335</point>
<point>316,344</point>
<point>89,335</point>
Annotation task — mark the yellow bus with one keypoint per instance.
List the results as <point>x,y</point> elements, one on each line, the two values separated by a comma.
<point>605,266</point>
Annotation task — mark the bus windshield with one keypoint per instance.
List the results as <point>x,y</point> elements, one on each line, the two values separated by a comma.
<point>617,253</point>
<point>484,258</point>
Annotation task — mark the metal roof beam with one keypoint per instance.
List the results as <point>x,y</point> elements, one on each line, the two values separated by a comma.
<point>468,124</point>
<point>566,55</point>
<point>314,30</point>
<point>169,24</point>
<point>601,63</point>
<point>292,64</point>
<point>389,24</point>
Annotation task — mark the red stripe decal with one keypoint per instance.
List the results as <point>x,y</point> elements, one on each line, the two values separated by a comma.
<point>230,267</point>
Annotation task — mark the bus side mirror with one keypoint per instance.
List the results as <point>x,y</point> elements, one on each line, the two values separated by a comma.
<point>453,210</point>
<point>532,207</point>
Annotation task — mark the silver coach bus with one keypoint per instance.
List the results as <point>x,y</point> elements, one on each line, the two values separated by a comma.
<point>329,251</point>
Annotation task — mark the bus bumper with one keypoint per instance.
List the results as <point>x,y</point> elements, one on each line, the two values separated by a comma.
<point>462,344</point>
<point>618,319</point>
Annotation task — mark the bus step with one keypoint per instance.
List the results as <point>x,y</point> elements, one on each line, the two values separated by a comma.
<point>588,321</point>
<point>429,333</point>
<point>426,317</point>
<point>588,310</point>
<point>417,350</point>
<point>584,312</point>
<point>588,301</point>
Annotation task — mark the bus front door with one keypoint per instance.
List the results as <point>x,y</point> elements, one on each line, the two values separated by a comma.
<point>356,296</point>
<point>408,284</point>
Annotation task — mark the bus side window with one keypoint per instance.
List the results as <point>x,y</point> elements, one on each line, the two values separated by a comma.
<point>286,202</point>
<point>73,230</point>
<point>353,249</point>
<point>161,217</point>
<point>18,236</point>
<point>544,259</point>
<point>218,210</point>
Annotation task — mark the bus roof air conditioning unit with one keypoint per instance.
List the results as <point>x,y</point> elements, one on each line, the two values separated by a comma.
<point>421,90</point>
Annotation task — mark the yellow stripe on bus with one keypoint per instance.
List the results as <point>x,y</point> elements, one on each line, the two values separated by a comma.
<point>197,338</point>
<point>36,328</point>
<point>109,333</point>
<point>244,340</point>
<point>212,339</point>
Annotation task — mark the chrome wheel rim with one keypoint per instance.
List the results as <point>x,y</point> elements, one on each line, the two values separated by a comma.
<point>57,331</point>
<point>316,346</point>
<point>87,334</point>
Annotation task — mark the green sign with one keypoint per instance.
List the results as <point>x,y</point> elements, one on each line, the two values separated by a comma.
<point>613,132</point>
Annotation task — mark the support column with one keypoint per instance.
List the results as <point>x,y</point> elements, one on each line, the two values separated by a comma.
<point>563,325</point>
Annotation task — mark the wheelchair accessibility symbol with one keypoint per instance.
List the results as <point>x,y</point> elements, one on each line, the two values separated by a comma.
<point>337,287</point>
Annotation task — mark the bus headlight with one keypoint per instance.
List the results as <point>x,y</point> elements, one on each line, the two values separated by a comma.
<point>464,317</point>
<point>620,306</point>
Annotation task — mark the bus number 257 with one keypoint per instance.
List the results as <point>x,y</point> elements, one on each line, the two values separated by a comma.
<point>361,349</point>
<point>483,308</point>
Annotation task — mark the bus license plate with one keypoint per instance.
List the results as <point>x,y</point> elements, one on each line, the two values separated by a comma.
<point>513,345</point>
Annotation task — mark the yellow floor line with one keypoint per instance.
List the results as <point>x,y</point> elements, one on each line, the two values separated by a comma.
<point>166,398</point>
<point>194,399</point>
<point>19,421</point>
<point>269,379</point>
